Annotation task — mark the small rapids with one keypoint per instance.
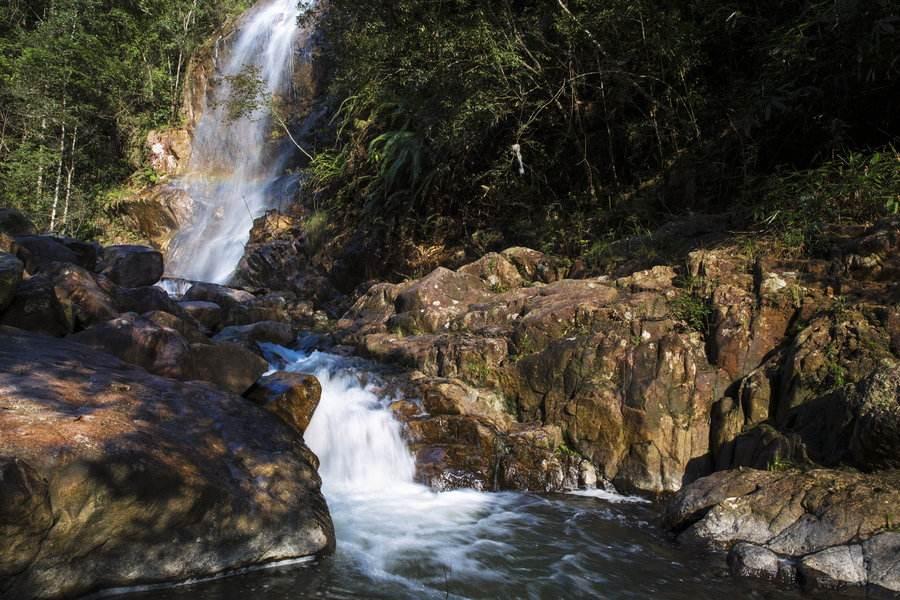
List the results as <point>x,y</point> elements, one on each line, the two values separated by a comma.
<point>399,539</point>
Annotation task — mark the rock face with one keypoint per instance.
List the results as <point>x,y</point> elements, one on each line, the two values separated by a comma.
<point>164,351</point>
<point>104,466</point>
<point>133,266</point>
<point>159,213</point>
<point>835,527</point>
<point>293,397</point>
<point>602,372</point>
<point>655,379</point>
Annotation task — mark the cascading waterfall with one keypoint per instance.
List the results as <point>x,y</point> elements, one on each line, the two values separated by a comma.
<point>415,542</point>
<point>234,173</point>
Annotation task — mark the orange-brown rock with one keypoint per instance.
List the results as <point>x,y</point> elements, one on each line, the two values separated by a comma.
<point>293,397</point>
<point>104,465</point>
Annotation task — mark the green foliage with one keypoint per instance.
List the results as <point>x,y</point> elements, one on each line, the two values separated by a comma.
<point>81,83</point>
<point>692,305</point>
<point>849,188</point>
<point>564,125</point>
<point>781,465</point>
<point>564,450</point>
<point>315,229</point>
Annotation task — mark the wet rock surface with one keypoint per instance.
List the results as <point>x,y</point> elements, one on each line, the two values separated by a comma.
<point>104,465</point>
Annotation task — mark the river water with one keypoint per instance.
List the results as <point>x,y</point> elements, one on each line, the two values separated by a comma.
<point>399,539</point>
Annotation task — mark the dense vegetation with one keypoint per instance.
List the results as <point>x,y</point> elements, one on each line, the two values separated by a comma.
<point>81,83</point>
<point>564,124</point>
<point>559,124</point>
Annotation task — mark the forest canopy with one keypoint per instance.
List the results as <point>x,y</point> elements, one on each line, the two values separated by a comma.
<point>563,123</point>
<point>559,124</point>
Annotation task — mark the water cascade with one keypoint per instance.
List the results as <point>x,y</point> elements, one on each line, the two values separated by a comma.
<point>235,174</point>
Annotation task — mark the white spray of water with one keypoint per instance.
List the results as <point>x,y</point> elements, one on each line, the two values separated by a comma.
<point>233,173</point>
<point>383,519</point>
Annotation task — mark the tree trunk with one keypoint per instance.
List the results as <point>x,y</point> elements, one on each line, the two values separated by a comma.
<point>59,170</point>
<point>40,174</point>
<point>70,173</point>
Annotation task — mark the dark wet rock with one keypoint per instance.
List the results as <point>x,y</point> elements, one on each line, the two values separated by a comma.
<point>11,269</point>
<point>263,331</point>
<point>104,465</point>
<point>37,307</point>
<point>132,266</point>
<point>208,314</point>
<point>14,223</point>
<point>293,397</point>
<point>228,366</point>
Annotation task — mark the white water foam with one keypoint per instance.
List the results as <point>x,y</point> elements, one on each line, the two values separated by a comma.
<point>382,518</point>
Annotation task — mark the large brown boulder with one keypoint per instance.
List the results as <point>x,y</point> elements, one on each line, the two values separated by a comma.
<point>11,269</point>
<point>163,350</point>
<point>136,340</point>
<point>293,397</point>
<point>229,366</point>
<point>140,299</point>
<point>39,252</point>
<point>429,304</point>
<point>835,525</point>
<point>104,470</point>
<point>132,266</point>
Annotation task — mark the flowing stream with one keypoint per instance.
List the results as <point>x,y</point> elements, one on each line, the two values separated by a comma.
<point>399,539</point>
<point>235,172</point>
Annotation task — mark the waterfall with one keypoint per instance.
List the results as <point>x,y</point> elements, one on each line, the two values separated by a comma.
<point>234,172</point>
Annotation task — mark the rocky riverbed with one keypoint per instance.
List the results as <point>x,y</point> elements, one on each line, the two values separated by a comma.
<point>761,391</point>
